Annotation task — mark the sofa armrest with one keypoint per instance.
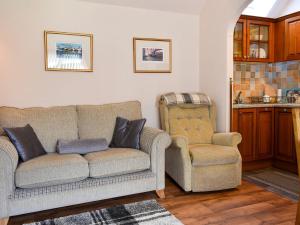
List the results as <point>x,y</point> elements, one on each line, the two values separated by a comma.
<point>8,164</point>
<point>154,142</point>
<point>227,139</point>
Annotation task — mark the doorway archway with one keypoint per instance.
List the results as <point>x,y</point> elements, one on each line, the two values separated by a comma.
<point>216,53</point>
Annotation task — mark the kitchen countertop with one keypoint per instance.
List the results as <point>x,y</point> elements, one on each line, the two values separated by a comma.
<point>288,105</point>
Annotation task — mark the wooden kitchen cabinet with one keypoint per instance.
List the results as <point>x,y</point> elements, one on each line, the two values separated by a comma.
<point>240,40</point>
<point>285,151</point>
<point>287,38</point>
<point>256,125</point>
<point>265,133</point>
<point>292,38</point>
<point>247,128</point>
<point>267,137</point>
<point>253,40</point>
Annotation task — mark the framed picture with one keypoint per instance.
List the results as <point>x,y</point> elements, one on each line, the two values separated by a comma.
<point>68,51</point>
<point>151,55</point>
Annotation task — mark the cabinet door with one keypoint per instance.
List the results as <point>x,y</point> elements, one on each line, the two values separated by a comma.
<point>284,135</point>
<point>239,41</point>
<point>265,133</point>
<point>235,121</point>
<point>247,128</point>
<point>260,41</point>
<point>292,38</point>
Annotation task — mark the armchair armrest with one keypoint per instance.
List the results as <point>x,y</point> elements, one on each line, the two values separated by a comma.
<point>180,141</point>
<point>227,139</point>
<point>154,142</point>
<point>178,162</point>
<point>8,164</point>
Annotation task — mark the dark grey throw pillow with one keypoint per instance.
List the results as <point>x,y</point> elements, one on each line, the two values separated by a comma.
<point>82,146</point>
<point>26,142</point>
<point>127,133</point>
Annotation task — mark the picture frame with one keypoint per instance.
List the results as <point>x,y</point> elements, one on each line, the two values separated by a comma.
<point>152,55</point>
<point>66,51</point>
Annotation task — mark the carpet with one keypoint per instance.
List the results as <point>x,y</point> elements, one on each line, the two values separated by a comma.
<point>278,181</point>
<point>146,213</point>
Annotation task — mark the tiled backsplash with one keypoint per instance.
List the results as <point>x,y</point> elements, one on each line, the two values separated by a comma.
<point>256,79</point>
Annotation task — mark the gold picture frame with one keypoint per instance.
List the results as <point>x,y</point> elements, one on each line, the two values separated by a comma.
<point>158,58</point>
<point>81,51</point>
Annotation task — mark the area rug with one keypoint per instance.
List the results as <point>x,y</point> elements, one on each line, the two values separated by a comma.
<point>278,181</point>
<point>145,213</point>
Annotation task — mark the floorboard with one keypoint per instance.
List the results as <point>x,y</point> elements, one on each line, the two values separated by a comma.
<point>248,204</point>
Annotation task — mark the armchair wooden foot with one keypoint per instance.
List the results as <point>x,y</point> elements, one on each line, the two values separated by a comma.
<point>161,193</point>
<point>4,221</point>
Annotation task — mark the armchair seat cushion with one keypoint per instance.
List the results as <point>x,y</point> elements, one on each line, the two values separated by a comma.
<point>208,154</point>
<point>51,169</point>
<point>117,161</point>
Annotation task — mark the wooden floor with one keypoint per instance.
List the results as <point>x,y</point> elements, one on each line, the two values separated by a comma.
<point>249,204</point>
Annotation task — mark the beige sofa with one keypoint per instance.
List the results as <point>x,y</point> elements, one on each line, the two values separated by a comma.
<point>200,159</point>
<point>54,180</point>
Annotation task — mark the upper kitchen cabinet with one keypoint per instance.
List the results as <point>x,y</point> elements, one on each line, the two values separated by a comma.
<point>292,38</point>
<point>287,38</point>
<point>260,41</point>
<point>239,40</point>
<point>254,40</point>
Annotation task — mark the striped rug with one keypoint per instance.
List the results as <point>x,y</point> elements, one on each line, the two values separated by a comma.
<point>275,180</point>
<point>145,213</point>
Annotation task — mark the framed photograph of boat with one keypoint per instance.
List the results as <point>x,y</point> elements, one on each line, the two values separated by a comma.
<point>151,55</point>
<point>66,51</point>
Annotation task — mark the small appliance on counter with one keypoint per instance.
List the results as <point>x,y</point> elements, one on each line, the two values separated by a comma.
<point>292,95</point>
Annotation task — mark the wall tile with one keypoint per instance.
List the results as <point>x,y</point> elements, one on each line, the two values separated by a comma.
<point>255,79</point>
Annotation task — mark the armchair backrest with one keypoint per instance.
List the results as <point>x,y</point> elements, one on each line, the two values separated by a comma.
<point>195,121</point>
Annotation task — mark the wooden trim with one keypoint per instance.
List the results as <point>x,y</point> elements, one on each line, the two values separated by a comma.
<point>266,19</point>
<point>71,34</point>
<point>296,123</point>
<point>152,71</point>
<point>298,214</point>
<point>288,16</point>
<point>161,193</point>
<point>4,221</point>
<point>231,102</point>
<point>257,165</point>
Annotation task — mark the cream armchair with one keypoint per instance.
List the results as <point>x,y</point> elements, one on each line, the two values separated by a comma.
<point>200,159</point>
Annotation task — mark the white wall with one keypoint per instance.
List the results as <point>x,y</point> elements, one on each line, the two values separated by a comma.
<point>217,22</point>
<point>24,82</point>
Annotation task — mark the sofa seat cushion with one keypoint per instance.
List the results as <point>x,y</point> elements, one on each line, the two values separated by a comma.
<point>51,169</point>
<point>117,161</point>
<point>207,155</point>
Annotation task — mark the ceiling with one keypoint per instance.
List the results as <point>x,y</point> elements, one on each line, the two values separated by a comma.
<point>264,8</point>
<point>181,6</point>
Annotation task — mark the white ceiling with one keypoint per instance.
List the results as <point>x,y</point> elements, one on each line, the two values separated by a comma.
<point>181,6</point>
<point>264,8</point>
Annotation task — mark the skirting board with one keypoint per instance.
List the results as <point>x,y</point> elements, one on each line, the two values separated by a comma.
<point>4,221</point>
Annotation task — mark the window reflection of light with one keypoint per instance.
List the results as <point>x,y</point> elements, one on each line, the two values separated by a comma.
<point>259,8</point>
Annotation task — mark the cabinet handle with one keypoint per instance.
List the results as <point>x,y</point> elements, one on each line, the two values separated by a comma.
<point>284,110</point>
<point>266,109</point>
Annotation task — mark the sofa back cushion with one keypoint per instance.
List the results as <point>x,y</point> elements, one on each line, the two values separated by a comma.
<point>49,124</point>
<point>195,123</point>
<point>98,121</point>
